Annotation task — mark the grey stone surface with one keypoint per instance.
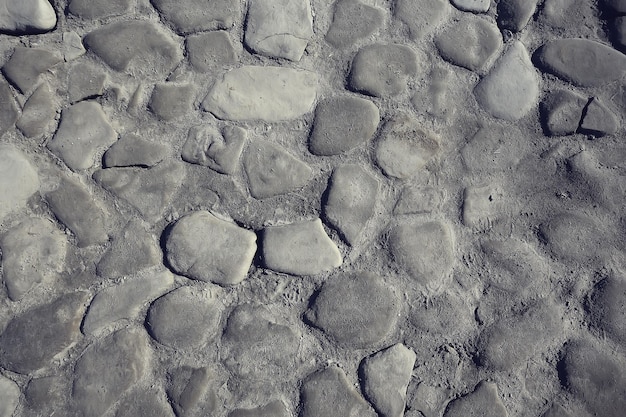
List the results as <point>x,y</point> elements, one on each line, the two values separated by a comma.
<point>598,119</point>
<point>210,50</point>
<point>85,80</point>
<point>618,29</point>
<point>172,101</point>
<point>144,403</point>
<point>47,394</point>
<point>419,200</point>
<point>9,396</point>
<point>607,310</point>
<point>474,6</point>
<point>421,16</point>
<point>572,237</point>
<point>134,150</point>
<point>562,112</point>
<point>515,14</point>
<point>39,112</point>
<point>95,9</point>
<point>72,46</point>
<point>483,401</point>
<point>27,17</point>
<point>444,315</point>
<point>8,107</point>
<point>219,150</point>
<point>488,151</point>
<point>191,389</point>
<point>482,206</point>
<point>189,16</point>
<point>27,64</point>
<point>353,21</point>
<point>617,5</point>
<point>274,408</point>
<point>18,179</point>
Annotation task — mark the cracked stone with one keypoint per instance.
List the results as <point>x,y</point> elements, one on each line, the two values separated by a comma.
<point>218,150</point>
<point>18,180</point>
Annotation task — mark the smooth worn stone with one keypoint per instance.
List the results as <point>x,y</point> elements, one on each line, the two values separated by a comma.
<point>189,16</point>
<point>342,123</point>
<point>9,396</point>
<point>144,403</point>
<point>83,132</point>
<point>72,46</point>
<point>617,5</point>
<point>562,112</point>
<point>514,15</point>
<point>75,207</point>
<point>210,50</point>
<point>32,252</point>
<point>46,395</point>
<point>386,377</point>
<point>31,340</point>
<point>417,199</point>
<point>191,389</point>
<point>404,147</point>
<point>125,300</point>
<point>356,309</point>
<point>272,171</point>
<point>422,16</point>
<point>352,22</point>
<point>482,206</point>
<point>598,119</point>
<point>223,259</point>
<point>133,150</point>
<point>8,107</point>
<point>106,370</point>
<point>279,28</point>
<point>26,17</point>
<point>171,101</point>
<point>275,408</point>
<point>18,179</point>
<point>301,248</point>
<point>484,401</point>
<point>149,190</point>
<point>428,401</point>
<point>27,64</point>
<point>471,43</point>
<point>383,70</point>
<point>489,150</point>
<point>328,393</point>
<point>85,80</point>
<point>190,330</point>
<point>350,201</point>
<point>425,250</point>
<point>139,47</point>
<point>474,6</point>
<point>96,9</point>
<point>572,237</point>
<point>583,62</point>
<point>219,150</point>
<point>270,94</point>
<point>38,114</point>
<point>607,309</point>
<point>444,315</point>
<point>256,345</point>
<point>511,88</point>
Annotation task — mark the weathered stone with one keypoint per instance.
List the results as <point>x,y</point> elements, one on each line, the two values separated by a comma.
<point>9,397</point>
<point>8,108</point>
<point>275,408</point>
<point>46,395</point>
<point>618,27</point>
<point>489,151</point>
<point>421,16</point>
<point>171,101</point>
<point>556,411</point>
<point>218,150</point>
<point>383,70</point>
<point>357,310</point>
<point>18,179</point>
<point>342,123</point>
<point>191,389</point>
<point>27,64</point>
<point>27,17</point>
<point>85,80</point>
<point>353,21</point>
<point>482,206</point>
<point>444,315</point>
<point>607,309</point>
<point>419,200</point>
<point>573,237</point>
<point>301,248</point>
<point>95,9</point>
<point>617,5</point>
<point>223,259</point>
<point>133,150</point>
<point>144,403</point>
<point>483,401</point>
<point>270,94</point>
<point>562,112</point>
<point>38,113</point>
<point>474,6</point>
<point>72,46</point>
<point>30,341</point>
<point>598,119</point>
<point>189,16</point>
<point>515,14</point>
<point>32,252</point>
<point>279,28</point>
<point>210,50</point>
<point>428,400</point>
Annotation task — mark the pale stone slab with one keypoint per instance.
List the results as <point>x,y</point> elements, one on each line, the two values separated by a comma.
<point>353,21</point>
<point>39,112</point>
<point>210,50</point>
<point>18,179</point>
<point>27,17</point>
<point>562,112</point>
<point>85,80</point>
<point>422,16</point>
<point>27,64</point>
<point>9,396</point>
<point>97,9</point>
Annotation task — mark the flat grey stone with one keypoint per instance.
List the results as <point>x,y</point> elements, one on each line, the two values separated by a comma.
<point>383,70</point>
<point>386,377</point>
<point>562,112</point>
<point>617,5</point>
<point>96,9</point>
<point>583,62</point>
<point>144,403</point>
<point>72,46</point>
<point>188,331</point>
<point>83,132</point>
<point>125,300</point>
<point>218,150</point>
<point>191,389</point>
<point>419,200</point>
<point>356,310</point>
<point>269,94</point>
<point>515,14</point>
<point>9,396</point>
<point>352,22</point>
<point>210,50</point>
<point>189,16</point>
<point>133,150</point>
<point>272,171</point>
<point>444,315</point>
<point>342,123</point>
<point>488,151</point>
<point>27,17</point>
<point>149,190</point>
<point>72,204</point>
<point>27,64</point>
<point>31,340</point>
<point>328,393</point>
<point>46,395</point>
<point>39,113</point>
<point>8,107</point>
<point>275,408</point>
<point>350,201</point>
<point>482,206</point>
<point>471,43</point>
<point>428,400</point>
<point>139,47</point>
<point>572,237</point>
<point>483,401</point>
<point>511,88</point>
<point>18,179</point>
<point>171,101</point>
<point>421,16</point>
<point>85,80</point>
<point>224,259</point>
<point>598,119</point>
<point>474,6</point>
<point>607,309</point>
<point>279,28</point>
<point>32,252</point>
<point>301,248</point>
<point>106,370</point>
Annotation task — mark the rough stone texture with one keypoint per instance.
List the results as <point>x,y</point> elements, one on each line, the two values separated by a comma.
<point>511,88</point>
<point>562,112</point>
<point>133,150</point>
<point>422,16</point>
<point>27,64</point>
<point>85,80</point>
<point>301,248</point>
<point>471,43</point>
<point>515,14</point>
<point>223,259</point>
<point>18,179</point>
<point>583,62</point>
<point>572,237</point>
<point>211,49</point>
<point>598,119</point>
<point>171,101</point>
<point>474,6</point>
<point>38,114</point>
<point>189,331</point>
<point>357,309</point>
<point>96,9</point>
<point>83,132</point>
<point>353,21</point>
<point>106,370</point>
<point>9,396</point>
<point>386,377</point>
<point>328,393</point>
<point>31,340</point>
<point>483,401</point>
<point>444,315</point>
<point>419,200</point>
<point>72,46</point>
<point>144,403</point>
<point>269,94</point>
<point>8,108</point>
<point>189,16</point>
<point>218,150</point>
<point>138,47</point>
<point>342,123</point>
<point>618,30</point>
<point>46,395</point>
<point>607,309</point>
<point>351,197</point>
<point>482,206</point>
<point>191,389</point>
<point>279,28</point>
<point>275,408</point>
<point>125,300</point>
<point>27,17</point>
<point>383,70</point>
<point>32,252</point>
